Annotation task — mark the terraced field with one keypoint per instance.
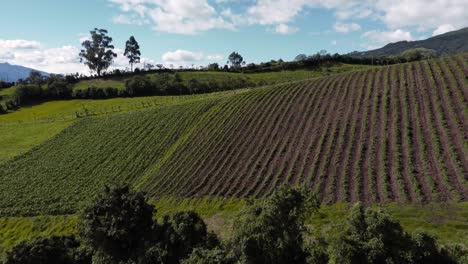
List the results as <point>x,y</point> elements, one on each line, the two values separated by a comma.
<point>396,134</point>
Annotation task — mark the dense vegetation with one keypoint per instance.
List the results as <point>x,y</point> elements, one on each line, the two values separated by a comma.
<point>119,227</point>
<point>393,134</point>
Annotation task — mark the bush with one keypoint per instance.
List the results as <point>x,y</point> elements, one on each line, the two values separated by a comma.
<point>138,85</point>
<point>60,250</point>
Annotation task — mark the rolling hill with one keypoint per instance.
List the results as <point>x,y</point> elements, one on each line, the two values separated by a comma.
<point>450,43</point>
<point>394,134</point>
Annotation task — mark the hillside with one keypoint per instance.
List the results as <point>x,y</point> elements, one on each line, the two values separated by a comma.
<point>450,43</point>
<point>12,73</point>
<point>396,134</point>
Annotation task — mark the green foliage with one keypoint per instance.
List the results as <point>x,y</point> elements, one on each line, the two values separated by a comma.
<point>371,236</point>
<point>271,231</point>
<point>235,59</point>
<point>132,51</point>
<point>117,224</point>
<point>97,53</point>
<point>59,250</point>
<point>209,256</point>
<point>58,87</point>
<point>418,54</point>
<point>138,85</point>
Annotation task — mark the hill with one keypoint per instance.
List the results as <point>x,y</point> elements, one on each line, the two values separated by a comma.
<point>12,73</point>
<point>396,134</point>
<point>450,43</point>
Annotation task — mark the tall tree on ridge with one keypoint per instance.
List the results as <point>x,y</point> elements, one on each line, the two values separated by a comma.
<point>98,52</point>
<point>132,51</point>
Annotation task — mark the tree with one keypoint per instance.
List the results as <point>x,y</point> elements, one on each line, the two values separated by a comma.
<point>213,67</point>
<point>271,231</point>
<point>97,53</point>
<point>138,85</point>
<point>35,77</point>
<point>371,236</point>
<point>300,57</point>
<point>235,59</point>
<point>117,225</point>
<point>58,87</point>
<point>60,250</point>
<point>132,51</point>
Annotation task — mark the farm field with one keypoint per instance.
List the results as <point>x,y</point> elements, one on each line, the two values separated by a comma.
<point>396,134</point>
<point>18,139</point>
<point>72,109</point>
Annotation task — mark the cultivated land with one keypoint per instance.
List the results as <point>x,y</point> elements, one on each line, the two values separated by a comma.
<point>396,134</point>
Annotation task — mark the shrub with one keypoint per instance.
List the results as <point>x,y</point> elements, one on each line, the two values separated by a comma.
<point>138,85</point>
<point>60,250</point>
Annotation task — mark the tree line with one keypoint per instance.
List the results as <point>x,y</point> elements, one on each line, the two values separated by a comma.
<point>119,227</point>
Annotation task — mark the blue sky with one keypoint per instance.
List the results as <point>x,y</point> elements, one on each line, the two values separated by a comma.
<point>46,34</point>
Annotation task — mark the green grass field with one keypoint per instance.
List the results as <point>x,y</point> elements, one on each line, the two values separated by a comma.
<point>16,139</point>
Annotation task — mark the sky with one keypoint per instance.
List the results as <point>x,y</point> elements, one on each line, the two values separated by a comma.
<point>47,34</point>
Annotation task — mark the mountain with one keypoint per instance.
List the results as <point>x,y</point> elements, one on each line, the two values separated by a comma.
<point>450,43</point>
<point>12,73</point>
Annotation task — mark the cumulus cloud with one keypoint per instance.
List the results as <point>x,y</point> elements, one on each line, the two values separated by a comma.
<point>18,44</point>
<point>175,16</point>
<point>182,56</point>
<point>345,28</point>
<point>443,29</point>
<point>376,39</point>
<point>285,29</point>
<point>395,14</point>
<point>186,57</point>
<point>129,20</point>
<point>423,14</point>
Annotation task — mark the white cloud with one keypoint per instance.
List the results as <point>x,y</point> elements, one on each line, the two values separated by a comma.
<point>215,57</point>
<point>182,56</point>
<point>395,14</point>
<point>129,20</point>
<point>333,42</point>
<point>422,13</point>
<point>174,16</point>
<point>285,29</point>
<point>18,44</point>
<point>443,29</point>
<point>377,39</point>
<point>345,28</point>
<point>185,57</point>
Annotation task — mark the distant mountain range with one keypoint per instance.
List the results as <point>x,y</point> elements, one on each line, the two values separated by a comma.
<point>12,73</point>
<point>450,43</point>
